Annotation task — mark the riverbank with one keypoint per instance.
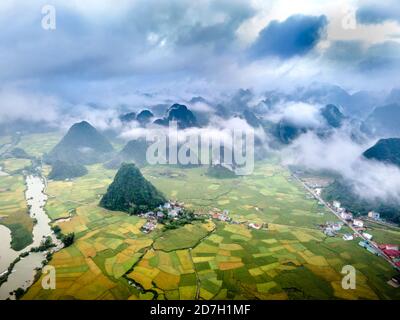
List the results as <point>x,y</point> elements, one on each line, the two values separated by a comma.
<point>22,274</point>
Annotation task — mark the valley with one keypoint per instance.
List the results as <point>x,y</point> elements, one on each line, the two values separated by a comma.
<point>111,258</point>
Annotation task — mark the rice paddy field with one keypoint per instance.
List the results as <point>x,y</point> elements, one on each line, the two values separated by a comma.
<point>292,259</point>
<point>112,259</point>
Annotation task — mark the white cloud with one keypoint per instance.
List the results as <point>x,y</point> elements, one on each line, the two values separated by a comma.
<point>370,180</point>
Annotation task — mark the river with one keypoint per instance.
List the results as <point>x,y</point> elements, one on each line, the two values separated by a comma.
<point>23,273</point>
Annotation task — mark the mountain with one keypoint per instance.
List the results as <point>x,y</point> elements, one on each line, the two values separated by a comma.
<point>286,132</point>
<point>251,118</point>
<point>135,150</point>
<point>383,121</point>
<point>62,170</point>
<point>131,192</point>
<point>144,117</point>
<point>357,105</point>
<point>128,117</point>
<point>181,114</point>
<point>385,150</point>
<point>220,172</point>
<point>332,116</point>
<point>82,144</point>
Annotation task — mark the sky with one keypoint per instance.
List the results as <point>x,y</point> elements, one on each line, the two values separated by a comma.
<point>106,54</point>
<point>114,53</point>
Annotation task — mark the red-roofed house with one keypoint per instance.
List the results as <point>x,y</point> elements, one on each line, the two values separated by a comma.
<point>388,247</point>
<point>392,253</point>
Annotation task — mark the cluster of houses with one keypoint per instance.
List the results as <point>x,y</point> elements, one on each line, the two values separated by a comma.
<point>223,215</point>
<point>358,224</point>
<point>331,228</point>
<point>171,210</point>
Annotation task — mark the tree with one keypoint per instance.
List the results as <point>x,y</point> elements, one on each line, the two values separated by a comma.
<point>68,239</point>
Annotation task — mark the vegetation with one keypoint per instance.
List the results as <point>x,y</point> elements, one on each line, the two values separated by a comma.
<point>62,170</point>
<point>385,150</point>
<point>220,172</point>
<point>68,239</point>
<point>45,245</point>
<point>131,192</point>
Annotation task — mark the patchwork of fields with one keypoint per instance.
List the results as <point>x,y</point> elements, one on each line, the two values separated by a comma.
<point>112,259</point>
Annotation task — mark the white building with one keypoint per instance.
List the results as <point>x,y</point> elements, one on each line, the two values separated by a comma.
<point>173,213</point>
<point>358,223</point>
<point>374,215</point>
<point>346,216</point>
<point>337,204</point>
<point>348,237</point>
<point>367,236</point>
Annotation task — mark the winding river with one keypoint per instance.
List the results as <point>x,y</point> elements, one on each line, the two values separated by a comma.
<point>24,271</point>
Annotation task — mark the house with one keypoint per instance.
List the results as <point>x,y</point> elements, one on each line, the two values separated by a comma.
<point>255,226</point>
<point>358,223</point>
<point>173,213</point>
<point>148,227</point>
<point>367,236</point>
<point>348,237</point>
<point>215,216</point>
<point>393,254</point>
<point>160,215</point>
<point>336,227</point>
<point>224,217</point>
<point>388,247</point>
<point>346,216</point>
<point>337,204</point>
<point>374,215</point>
<point>369,247</point>
<point>149,214</point>
<point>329,232</point>
<point>167,206</point>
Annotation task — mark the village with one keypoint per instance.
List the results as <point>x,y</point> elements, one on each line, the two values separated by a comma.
<point>389,252</point>
<point>173,214</point>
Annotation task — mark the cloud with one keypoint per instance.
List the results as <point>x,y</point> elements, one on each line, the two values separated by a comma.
<point>370,180</point>
<point>20,105</point>
<point>300,114</point>
<point>296,36</point>
<point>374,13</point>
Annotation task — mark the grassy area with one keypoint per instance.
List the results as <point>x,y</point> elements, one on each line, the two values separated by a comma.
<point>384,234</point>
<point>65,196</point>
<point>14,212</point>
<point>38,144</point>
<point>13,165</point>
